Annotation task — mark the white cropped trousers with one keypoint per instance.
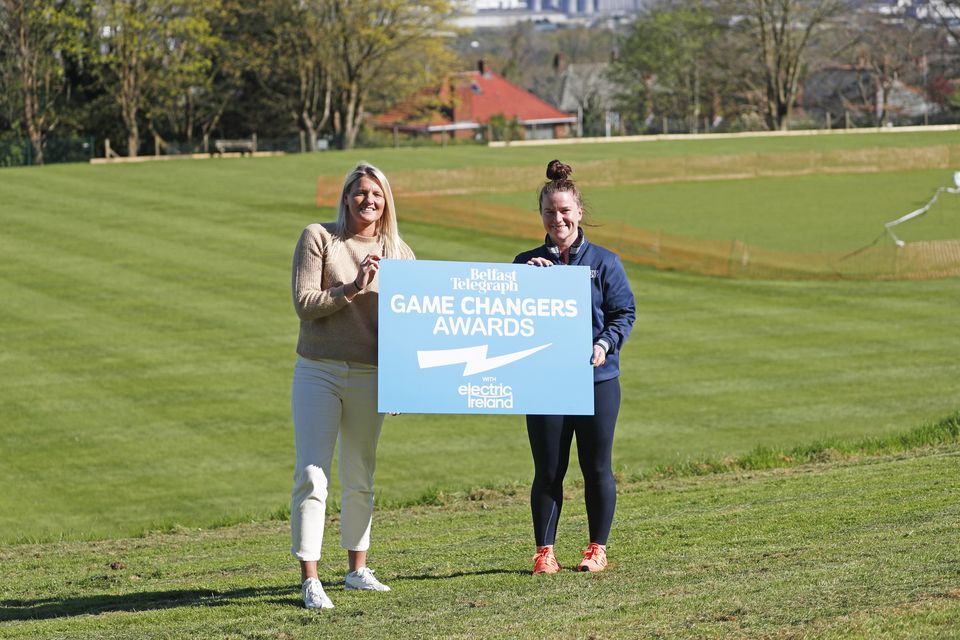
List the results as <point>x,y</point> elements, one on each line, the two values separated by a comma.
<point>333,398</point>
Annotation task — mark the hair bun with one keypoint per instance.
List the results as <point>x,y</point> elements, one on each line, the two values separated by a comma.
<point>556,170</point>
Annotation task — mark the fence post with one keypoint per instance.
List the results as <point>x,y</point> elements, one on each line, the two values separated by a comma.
<point>254,137</point>
<point>303,142</point>
<point>206,143</point>
<point>156,145</point>
<point>733,253</point>
<point>846,119</point>
<point>829,121</point>
<point>663,129</point>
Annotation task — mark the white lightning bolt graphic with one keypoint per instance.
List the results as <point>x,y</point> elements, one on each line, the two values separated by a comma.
<point>475,358</point>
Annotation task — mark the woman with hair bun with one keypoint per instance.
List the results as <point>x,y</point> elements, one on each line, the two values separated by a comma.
<point>613,314</point>
<point>335,289</point>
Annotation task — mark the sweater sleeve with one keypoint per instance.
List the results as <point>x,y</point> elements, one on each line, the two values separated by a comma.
<point>618,306</point>
<point>310,299</point>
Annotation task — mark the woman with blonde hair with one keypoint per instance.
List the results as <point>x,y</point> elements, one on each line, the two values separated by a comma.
<point>335,290</point>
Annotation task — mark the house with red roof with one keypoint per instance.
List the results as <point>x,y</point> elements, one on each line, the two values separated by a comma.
<point>473,104</point>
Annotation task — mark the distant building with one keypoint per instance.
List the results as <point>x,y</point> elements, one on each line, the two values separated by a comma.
<point>850,91</point>
<point>588,7</point>
<point>503,13</point>
<point>470,103</point>
<point>495,5</point>
<point>919,9</point>
<point>585,91</point>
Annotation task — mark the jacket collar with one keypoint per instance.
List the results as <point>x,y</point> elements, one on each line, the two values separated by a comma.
<point>575,249</point>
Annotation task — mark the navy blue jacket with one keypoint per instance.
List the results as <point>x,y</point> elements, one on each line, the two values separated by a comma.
<point>614,309</point>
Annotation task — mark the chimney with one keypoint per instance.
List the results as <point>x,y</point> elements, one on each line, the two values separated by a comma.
<point>559,63</point>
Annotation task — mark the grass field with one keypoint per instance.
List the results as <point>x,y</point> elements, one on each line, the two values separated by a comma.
<point>797,213</point>
<point>147,348</point>
<point>864,548</point>
<point>148,340</point>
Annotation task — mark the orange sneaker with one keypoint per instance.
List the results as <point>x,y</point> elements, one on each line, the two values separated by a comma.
<point>545,562</point>
<point>594,558</point>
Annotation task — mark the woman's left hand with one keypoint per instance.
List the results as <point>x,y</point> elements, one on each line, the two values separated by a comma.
<point>367,272</point>
<point>539,262</point>
<point>599,356</point>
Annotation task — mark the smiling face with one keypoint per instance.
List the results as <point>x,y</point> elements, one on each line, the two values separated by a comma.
<point>365,203</point>
<point>561,214</point>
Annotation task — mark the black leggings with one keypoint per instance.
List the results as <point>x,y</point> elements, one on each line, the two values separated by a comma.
<point>550,439</point>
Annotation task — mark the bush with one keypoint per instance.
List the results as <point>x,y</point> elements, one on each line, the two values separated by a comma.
<point>14,152</point>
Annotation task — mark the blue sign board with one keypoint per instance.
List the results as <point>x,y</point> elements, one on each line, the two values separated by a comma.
<point>468,337</point>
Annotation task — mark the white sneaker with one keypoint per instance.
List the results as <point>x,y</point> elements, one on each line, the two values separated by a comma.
<point>363,579</point>
<point>313,595</point>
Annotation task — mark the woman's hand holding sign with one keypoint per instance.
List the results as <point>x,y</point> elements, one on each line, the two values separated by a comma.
<point>599,356</point>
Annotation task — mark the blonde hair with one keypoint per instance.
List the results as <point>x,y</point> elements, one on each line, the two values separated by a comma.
<point>388,232</point>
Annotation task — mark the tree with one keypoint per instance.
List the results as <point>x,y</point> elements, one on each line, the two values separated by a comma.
<point>589,88</point>
<point>666,63</point>
<point>888,52</point>
<point>239,47</point>
<point>300,76</point>
<point>581,44</point>
<point>36,37</point>
<point>783,32</point>
<point>519,53</point>
<point>155,50</point>
<point>246,94</point>
<point>503,128</point>
<point>373,43</point>
<point>187,73</point>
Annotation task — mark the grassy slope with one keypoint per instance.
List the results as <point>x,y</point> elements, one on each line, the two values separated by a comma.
<point>863,548</point>
<point>147,338</point>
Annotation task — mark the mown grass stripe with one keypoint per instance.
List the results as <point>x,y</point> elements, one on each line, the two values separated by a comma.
<point>173,256</point>
<point>942,432</point>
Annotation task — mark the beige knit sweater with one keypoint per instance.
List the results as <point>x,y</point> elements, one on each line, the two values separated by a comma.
<point>332,327</point>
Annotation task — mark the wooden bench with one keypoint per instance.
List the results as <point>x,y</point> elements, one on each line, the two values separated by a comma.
<point>243,146</point>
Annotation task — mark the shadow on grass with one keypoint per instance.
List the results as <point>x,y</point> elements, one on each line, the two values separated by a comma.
<point>461,574</point>
<point>135,602</point>
<point>45,608</point>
